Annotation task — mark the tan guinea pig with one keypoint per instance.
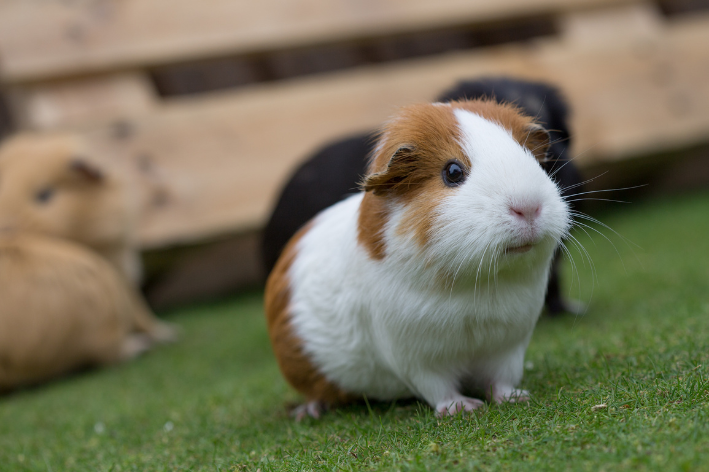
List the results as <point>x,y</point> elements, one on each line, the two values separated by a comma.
<point>64,307</point>
<point>51,184</point>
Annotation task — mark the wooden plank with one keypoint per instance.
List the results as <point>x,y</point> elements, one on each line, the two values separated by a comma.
<point>603,27</point>
<point>51,38</point>
<point>70,102</point>
<point>639,95</point>
<point>224,157</point>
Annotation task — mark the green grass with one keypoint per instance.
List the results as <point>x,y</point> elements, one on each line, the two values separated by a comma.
<point>216,400</point>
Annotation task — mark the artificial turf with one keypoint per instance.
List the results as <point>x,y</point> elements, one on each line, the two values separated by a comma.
<point>624,387</point>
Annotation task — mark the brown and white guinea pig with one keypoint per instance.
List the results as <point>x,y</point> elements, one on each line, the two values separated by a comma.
<point>51,184</point>
<point>428,283</point>
<point>64,307</point>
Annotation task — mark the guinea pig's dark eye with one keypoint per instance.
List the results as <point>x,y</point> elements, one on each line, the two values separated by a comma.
<point>44,196</point>
<point>453,174</point>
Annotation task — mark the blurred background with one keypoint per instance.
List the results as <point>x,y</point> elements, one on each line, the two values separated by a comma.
<point>209,106</point>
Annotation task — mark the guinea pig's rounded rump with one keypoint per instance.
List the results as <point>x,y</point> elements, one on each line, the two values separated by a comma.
<point>64,307</point>
<point>293,361</point>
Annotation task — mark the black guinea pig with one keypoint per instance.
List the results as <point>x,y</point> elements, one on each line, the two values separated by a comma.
<point>338,167</point>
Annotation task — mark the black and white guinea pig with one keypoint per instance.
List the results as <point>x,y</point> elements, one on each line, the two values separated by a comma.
<point>334,171</point>
<point>430,281</point>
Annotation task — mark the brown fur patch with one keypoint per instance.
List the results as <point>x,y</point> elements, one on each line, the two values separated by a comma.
<point>415,148</point>
<point>295,365</point>
<point>413,151</point>
<point>415,145</point>
<point>373,215</point>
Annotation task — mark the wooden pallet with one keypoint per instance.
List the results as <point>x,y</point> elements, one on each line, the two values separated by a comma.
<point>635,77</point>
<point>49,39</point>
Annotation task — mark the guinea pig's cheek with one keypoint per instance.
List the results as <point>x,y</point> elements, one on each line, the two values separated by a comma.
<point>419,216</point>
<point>46,220</point>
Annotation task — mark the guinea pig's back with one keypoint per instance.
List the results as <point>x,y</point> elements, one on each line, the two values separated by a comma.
<point>63,307</point>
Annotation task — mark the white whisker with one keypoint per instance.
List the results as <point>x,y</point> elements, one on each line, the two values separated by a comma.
<point>607,239</point>
<point>579,184</point>
<point>572,159</point>
<point>597,199</point>
<point>603,190</point>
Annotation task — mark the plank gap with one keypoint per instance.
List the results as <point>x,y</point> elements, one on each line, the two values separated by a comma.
<point>7,124</point>
<point>672,8</point>
<point>221,73</point>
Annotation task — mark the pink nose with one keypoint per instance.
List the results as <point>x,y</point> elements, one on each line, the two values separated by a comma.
<point>528,213</point>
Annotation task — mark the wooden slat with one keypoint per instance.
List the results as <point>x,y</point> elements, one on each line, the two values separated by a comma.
<point>602,28</point>
<point>51,38</point>
<point>225,156</point>
<point>638,95</point>
<point>69,102</point>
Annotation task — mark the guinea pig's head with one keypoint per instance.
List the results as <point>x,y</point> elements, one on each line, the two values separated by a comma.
<point>52,184</point>
<point>460,185</point>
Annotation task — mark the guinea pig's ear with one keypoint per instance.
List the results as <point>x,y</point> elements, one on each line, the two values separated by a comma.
<point>397,175</point>
<point>537,141</point>
<point>86,170</point>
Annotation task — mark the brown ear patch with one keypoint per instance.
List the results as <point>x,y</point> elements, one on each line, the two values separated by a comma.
<point>413,148</point>
<point>86,170</point>
<point>294,363</point>
<point>401,174</point>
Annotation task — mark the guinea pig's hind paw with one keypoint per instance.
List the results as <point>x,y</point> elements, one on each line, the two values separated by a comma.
<point>134,345</point>
<point>575,307</point>
<point>312,409</point>
<point>560,306</point>
<point>457,405</point>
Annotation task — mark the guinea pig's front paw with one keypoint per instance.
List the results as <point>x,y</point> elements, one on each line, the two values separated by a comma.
<point>165,332</point>
<point>312,409</point>
<point>457,405</point>
<point>509,395</point>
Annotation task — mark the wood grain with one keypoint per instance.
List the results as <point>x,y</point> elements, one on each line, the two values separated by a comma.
<point>65,103</point>
<point>53,38</point>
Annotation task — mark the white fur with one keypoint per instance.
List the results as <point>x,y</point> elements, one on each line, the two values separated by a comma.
<point>434,321</point>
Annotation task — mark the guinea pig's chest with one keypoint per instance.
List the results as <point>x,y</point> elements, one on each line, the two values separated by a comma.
<point>445,327</point>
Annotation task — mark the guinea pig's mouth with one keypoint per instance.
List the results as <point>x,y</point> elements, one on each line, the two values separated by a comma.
<point>518,249</point>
